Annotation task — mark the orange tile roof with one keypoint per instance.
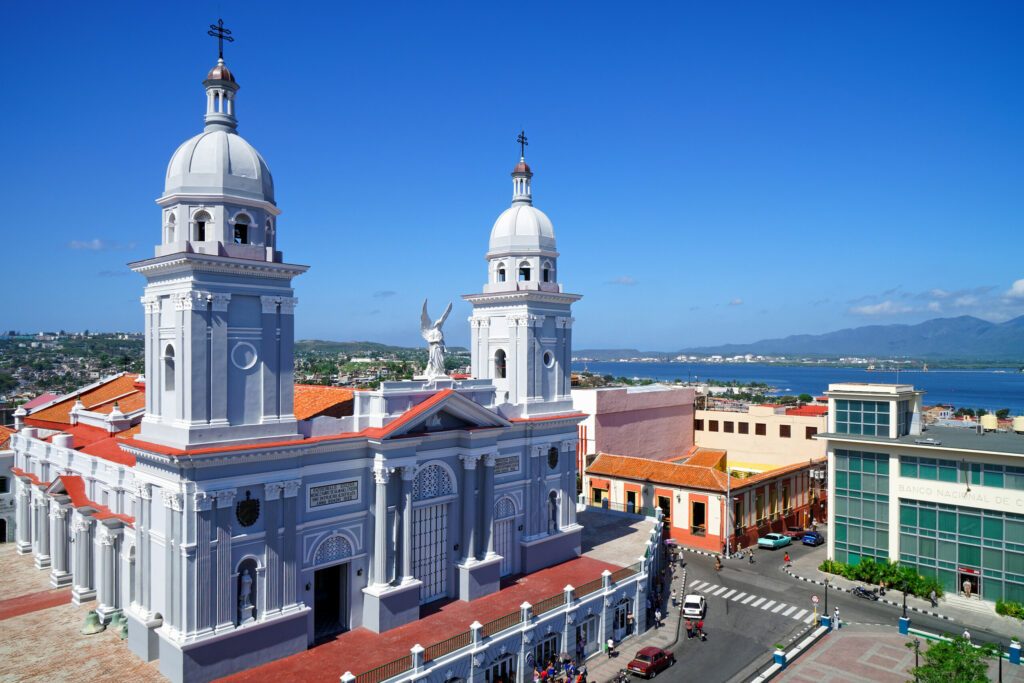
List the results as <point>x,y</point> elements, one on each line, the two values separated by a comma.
<point>5,435</point>
<point>75,488</point>
<point>658,471</point>
<point>706,457</point>
<point>120,387</point>
<point>82,435</point>
<point>312,400</point>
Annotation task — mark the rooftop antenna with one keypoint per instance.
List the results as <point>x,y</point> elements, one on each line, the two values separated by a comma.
<point>221,34</point>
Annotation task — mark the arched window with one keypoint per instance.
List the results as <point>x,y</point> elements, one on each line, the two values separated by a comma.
<point>169,368</point>
<point>270,233</point>
<point>201,220</point>
<point>432,481</point>
<point>546,272</point>
<point>242,229</point>
<point>169,231</point>
<point>524,272</point>
<point>501,273</point>
<point>499,364</point>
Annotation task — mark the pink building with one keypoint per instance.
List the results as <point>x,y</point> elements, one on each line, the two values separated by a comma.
<point>654,421</point>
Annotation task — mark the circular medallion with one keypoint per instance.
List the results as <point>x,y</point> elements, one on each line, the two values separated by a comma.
<point>243,355</point>
<point>549,359</point>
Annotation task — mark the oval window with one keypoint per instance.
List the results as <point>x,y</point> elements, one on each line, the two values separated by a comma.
<point>549,359</point>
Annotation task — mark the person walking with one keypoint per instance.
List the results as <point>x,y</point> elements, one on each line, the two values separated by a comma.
<point>967,635</point>
<point>611,647</point>
<point>689,629</point>
<point>657,618</point>
<point>835,619</point>
<point>785,559</point>
<point>967,588</point>
<point>700,630</point>
<point>750,556</point>
<point>931,596</point>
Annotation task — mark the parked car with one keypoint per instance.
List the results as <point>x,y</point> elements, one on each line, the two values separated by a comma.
<point>650,661</point>
<point>796,533</point>
<point>813,538</point>
<point>773,541</point>
<point>694,606</point>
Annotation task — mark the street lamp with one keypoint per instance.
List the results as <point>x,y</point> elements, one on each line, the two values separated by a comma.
<point>917,651</point>
<point>904,599</point>
<point>826,596</point>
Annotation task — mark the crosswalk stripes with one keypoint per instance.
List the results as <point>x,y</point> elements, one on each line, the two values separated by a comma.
<point>751,600</point>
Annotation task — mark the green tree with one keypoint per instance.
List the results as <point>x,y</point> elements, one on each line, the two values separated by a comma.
<point>957,660</point>
<point>805,398</point>
<point>1003,413</point>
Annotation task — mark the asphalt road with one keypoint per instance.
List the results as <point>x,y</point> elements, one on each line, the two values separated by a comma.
<point>753,607</point>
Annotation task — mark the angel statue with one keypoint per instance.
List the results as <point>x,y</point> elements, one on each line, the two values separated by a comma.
<point>431,331</point>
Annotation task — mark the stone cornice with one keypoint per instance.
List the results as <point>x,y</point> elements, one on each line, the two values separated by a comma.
<point>216,264</point>
<point>522,297</point>
<point>212,200</point>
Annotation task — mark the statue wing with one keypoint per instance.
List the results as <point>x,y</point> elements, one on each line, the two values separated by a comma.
<point>444,316</point>
<point>424,320</point>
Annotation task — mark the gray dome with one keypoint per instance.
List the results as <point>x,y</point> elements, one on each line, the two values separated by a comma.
<point>219,162</point>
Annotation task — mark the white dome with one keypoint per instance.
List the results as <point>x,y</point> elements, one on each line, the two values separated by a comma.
<point>522,228</point>
<point>219,162</point>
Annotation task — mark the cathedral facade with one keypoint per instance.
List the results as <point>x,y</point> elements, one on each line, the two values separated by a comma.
<point>227,523</point>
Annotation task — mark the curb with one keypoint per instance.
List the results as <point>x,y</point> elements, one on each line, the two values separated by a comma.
<point>882,600</point>
<point>707,553</point>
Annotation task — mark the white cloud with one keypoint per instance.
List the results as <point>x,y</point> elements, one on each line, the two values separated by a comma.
<point>96,244</point>
<point>965,301</point>
<point>886,307</point>
<point>736,302</point>
<point>624,280</point>
<point>938,293</point>
<point>934,307</point>
<point>1016,290</point>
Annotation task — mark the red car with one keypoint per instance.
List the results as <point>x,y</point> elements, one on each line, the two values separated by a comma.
<point>651,660</point>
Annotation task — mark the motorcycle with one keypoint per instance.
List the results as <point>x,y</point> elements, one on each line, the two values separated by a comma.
<point>862,592</point>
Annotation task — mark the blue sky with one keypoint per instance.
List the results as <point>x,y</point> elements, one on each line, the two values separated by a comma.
<point>716,172</point>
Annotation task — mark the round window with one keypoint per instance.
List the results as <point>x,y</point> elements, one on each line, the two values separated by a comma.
<point>243,355</point>
<point>549,359</point>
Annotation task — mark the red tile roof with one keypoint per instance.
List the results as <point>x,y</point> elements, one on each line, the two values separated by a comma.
<point>18,472</point>
<point>808,411</point>
<point>659,472</point>
<point>706,457</point>
<point>120,388</point>
<point>39,400</point>
<point>75,488</point>
<point>82,435</point>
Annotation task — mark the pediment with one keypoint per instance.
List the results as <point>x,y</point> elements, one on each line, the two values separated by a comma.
<point>445,412</point>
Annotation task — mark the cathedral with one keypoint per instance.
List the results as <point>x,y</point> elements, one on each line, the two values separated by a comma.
<point>230,517</point>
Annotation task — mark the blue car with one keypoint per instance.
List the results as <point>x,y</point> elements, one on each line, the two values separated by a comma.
<point>813,538</point>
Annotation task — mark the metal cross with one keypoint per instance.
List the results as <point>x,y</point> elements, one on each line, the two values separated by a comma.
<point>522,143</point>
<point>221,34</point>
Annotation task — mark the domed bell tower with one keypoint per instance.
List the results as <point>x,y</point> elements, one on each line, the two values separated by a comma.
<point>521,328</point>
<point>218,302</point>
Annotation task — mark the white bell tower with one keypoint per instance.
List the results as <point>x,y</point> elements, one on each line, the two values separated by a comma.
<point>522,322</point>
<point>218,301</point>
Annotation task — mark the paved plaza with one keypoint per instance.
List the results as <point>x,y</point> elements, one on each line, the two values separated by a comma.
<point>868,653</point>
<point>42,639</point>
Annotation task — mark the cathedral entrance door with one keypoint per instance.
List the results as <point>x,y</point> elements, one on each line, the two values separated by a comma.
<point>504,544</point>
<point>430,550</point>
<point>330,601</point>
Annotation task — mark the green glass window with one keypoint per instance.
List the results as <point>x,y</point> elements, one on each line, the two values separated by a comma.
<point>908,544</point>
<point>908,515</point>
<point>993,529</point>
<point>1014,562</point>
<point>842,480</point>
<point>926,518</point>
<point>993,476</point>
<point>927,469</point>
<point>883,466</point>
<point>1014,531</point>
<point>947,552</point>
<point>992,559</point>
<point>926,547</point>
<point>841,532</point>
<point>947,521</point>
<point>908,467</point>
<point>969,555</point>
<point>970,525</point>
<point>947,471</point>
<point>855,481</point>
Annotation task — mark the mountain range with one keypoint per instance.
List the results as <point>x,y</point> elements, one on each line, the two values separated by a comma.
<point>961,338</point>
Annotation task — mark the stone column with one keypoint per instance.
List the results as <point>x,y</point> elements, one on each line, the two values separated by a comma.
<point>272,524</point>
<point>173,505</point>
<point>530,504</point>
<point>270,369</point>
<point>224,583</point>
<point>381,474</point>
<point>42,559</point>
<point>24,526</point>
<point>219,359</point>
<point>107,589</point>
<point>143,590</point>
<point>408,474</point>
<point>488,506</point>
<point>60,574</point>
<point>290,560</point>
<point>204,584</point>
<point>469,508</point>
<point>83,589</point>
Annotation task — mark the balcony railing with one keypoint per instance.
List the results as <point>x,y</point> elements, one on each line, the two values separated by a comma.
<point>502,623</point>
<point>385,671</point>
<point>452,644</point>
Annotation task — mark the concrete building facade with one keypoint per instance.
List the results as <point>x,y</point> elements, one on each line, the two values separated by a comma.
<point>764,436</point>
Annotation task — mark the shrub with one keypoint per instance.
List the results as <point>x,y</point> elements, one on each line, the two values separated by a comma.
<point>1010,608</point>
<point>894,575</point>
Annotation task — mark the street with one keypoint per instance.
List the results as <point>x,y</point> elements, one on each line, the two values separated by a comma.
<point>751,607</point>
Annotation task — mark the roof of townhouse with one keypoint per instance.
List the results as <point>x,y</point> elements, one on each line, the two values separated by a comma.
<point>808,411</point>
<point>5,436</point>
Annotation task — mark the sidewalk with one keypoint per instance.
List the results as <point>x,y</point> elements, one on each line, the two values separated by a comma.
<point>977,614</point>
<point>601,667</point>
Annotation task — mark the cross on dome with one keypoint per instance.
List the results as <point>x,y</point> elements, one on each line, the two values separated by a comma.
<point>221,34</point>
<point>522,144</point>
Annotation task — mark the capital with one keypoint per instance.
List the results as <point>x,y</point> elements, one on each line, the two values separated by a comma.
<point>219,302</point>
<point>288,304</point>
<point>489,460</point>
<point>469,460</point>
<point>409,472</point>
<point>141,491</point>
<point>270,303</point>
<point>291,487</point>
<point>150,303</point>
<point>172,500</point>
<point>381,474</point>
<point>203,501</point>
<point>272,491</point>
<point>225,498</point>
